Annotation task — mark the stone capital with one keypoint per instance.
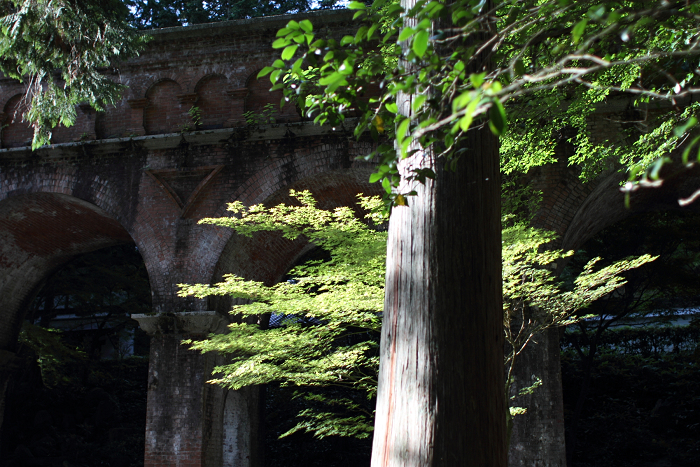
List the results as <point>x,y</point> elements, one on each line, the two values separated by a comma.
<point>185,322</point>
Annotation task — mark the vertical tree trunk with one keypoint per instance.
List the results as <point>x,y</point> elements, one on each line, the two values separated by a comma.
<point>441,394</point>
<point>538,435</point>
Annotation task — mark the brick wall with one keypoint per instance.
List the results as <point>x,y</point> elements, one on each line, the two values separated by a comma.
<point>212,67</point>
<point>62,201</point>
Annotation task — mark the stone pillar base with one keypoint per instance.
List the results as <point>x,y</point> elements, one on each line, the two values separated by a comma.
<point>189,422</point>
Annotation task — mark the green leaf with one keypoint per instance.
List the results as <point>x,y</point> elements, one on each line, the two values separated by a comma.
<point>418,101</point>
<point>274,76</point>
<point>681,130</point>
<point>306,25</point>
<point>265,71</point>
<point>375,177</point>
<point>519,68</point>
<point>346,40</point>
<point>420,43</point>
<point>392,107</point>
<point>360,35</point>
<point>477,79</point>
<point>332,81</point>
<point>281,42</point>
<point>402,129</point>
<point>356,6</point>
<point>404,147</point>
<point>386,183</point>
<point>497,118</point>
<point>449,140</point>
<point>463,100</point>
<point>657,166</point>
<point>466,121</point>
<point>686,152</point>
<point>406,33</point>
<point>578,30</point>
<point>289,52</point>
<point>372,30</point>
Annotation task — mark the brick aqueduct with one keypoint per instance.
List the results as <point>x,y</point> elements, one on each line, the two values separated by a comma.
<point>139,173</point>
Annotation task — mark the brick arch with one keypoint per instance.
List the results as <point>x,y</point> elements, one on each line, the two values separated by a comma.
<point>268,256</point>
<point>8,93</point>
<point>214,102</point>
<point>166,112</point>
<point>15,133</point>
<point>259,95</point>
<point>39,232</point>
<point>111,195</point>
<point>605,205</point>
<point>64,180</point>
<point>139,88</point>
<point>194,82</point>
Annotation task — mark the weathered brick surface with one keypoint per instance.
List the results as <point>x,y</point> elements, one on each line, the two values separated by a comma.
<point>64,201</point>
<point>150,187</point>
<point>15,132</point>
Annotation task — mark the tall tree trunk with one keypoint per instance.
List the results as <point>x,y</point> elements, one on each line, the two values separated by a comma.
<point>538,435</point>
<point>441,394</point>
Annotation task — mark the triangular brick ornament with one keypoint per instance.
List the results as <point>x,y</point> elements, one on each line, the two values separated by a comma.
<point>184,185</point>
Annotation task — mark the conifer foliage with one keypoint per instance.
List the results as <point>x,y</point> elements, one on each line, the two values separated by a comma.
<point>57,47</point>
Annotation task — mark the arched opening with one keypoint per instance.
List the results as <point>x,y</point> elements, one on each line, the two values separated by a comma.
<point>263,102</point>
<point>632,364</point>
<point>164,113</point>
<point>72,276</point>
<point>213,103</point>
<point>16,132</point>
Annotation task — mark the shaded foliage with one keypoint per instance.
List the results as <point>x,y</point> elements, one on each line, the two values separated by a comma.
<point>651,295</point>
<point>90,300</point>
<point>98,419</point>
<point>642,410</point>
<point>303,449</point>
<point>647,341</point>
<point>148,14</point>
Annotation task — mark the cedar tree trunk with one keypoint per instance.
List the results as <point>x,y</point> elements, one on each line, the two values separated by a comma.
<point>441,395</point>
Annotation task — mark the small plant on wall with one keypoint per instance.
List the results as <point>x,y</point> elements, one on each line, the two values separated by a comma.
<point>265,117</point>
<point>195,114</point>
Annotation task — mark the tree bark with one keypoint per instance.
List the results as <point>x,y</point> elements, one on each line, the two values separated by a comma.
<point>441,394</point>
<point>538,435</point>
